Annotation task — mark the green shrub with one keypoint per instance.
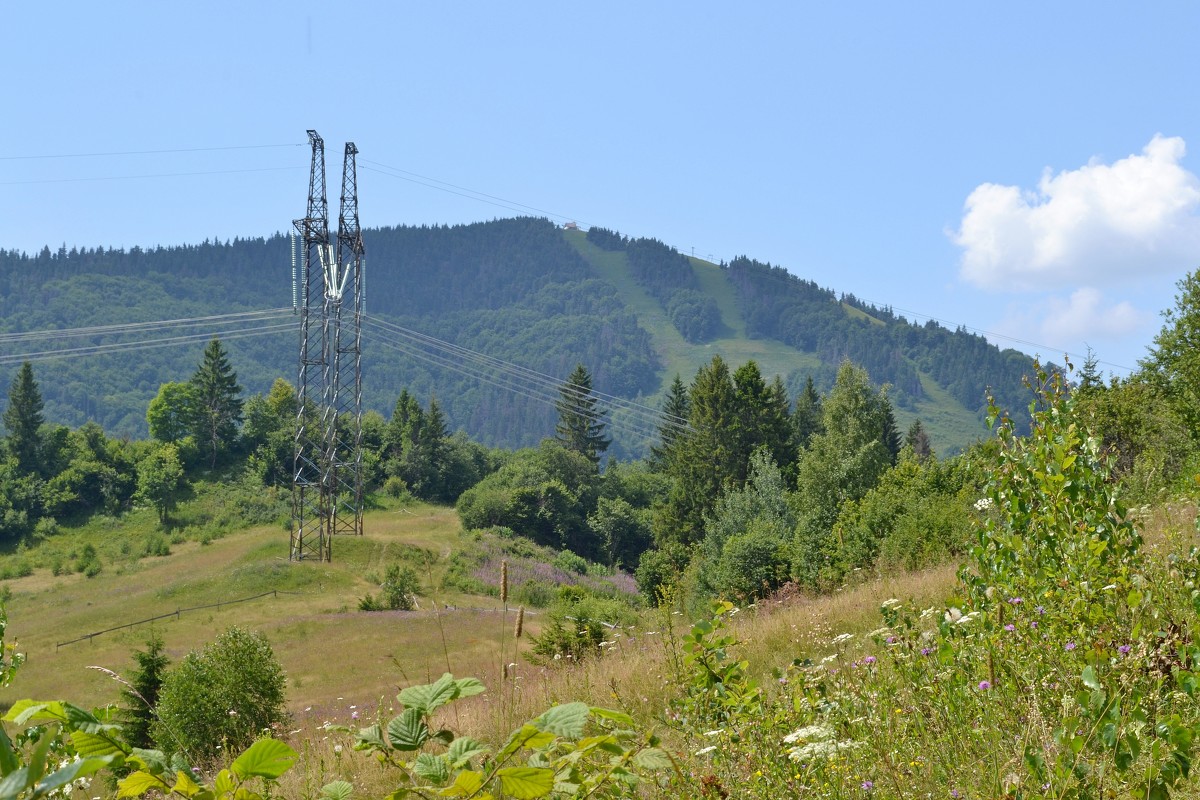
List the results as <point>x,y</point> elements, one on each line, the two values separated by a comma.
<point>224,695</point>
<point>569,562</point>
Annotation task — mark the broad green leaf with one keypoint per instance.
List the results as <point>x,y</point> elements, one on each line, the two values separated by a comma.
<point>91,744</point>
<point>469,687</point>
<point>565,720</point>
<point>138,783</point>
<point>1089,678</point>
<point>185,785</point>
<point>224,784</point>
<point>462,750</point>
<point>337,790</point>
<point>526,783</point>
<point>24,711</point>
<point>266,758</point>
<point>79,719</point>
<point>466,783</point>
<point>370,737</point>
<point>525,736</point>
<point>614,716</point>
<point>428,697</point>
<point>82,768</point>
<point>653,758</point>
<point>152,761</point>
<point>408,731</point>
<point>432,768</point>
<point>605,742</point>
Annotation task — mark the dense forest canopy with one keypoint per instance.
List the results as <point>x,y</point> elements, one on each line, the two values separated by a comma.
<point>518,290</point>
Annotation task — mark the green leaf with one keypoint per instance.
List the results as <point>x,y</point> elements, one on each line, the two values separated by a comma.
<point>466,783</point>
<point>370,737</point>
<point>565,720</point>
<point>184,785</point>
<point>469,687</point>
<point>429,697</point>
<point>526,783</point>
<point>337,790</point>
<point>432,768</point>
<point>653,758</point>
<point>224,783</point>
<point>462,750</point>
<point>14,783</point>
<point>613,716</point>
<point>266,758</point>
<point>1089,678</point>
<point>91,744</point>
<point>138,783</point>
<point>8,757</point>
<point>24,711</point>
<point>525,736</point>
<point>408,731</point>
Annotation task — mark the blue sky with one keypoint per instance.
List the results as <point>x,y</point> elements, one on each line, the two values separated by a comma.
<point>1019,168</point>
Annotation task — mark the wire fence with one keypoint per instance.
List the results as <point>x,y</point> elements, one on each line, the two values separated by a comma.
<point>88,637</point>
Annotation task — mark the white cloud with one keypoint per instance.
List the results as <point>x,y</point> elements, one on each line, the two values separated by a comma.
<point>1097,225</point>
<point>1083,316</point>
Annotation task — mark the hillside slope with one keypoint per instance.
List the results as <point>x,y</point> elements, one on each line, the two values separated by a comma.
<point>519,290</point>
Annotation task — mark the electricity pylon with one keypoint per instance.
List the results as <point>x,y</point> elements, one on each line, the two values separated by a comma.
<point>327,466</point>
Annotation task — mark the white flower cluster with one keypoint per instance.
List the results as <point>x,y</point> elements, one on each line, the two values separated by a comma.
<point>815,741</point>
<point>956,617</point>
<point>983,504</point>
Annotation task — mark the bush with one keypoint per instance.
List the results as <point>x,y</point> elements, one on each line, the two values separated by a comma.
<point>400,585</point>
<point>569,562</point>
<point>224,695</point>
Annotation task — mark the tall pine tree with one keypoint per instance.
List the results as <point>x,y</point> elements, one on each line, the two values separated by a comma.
<point>581,421</point>
<point>23,418</point>
<point>217,409</point>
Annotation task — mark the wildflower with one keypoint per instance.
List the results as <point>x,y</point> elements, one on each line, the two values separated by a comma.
<point>1124,649</point>
<point>891,601</point>
<point>337,748</point>
<point>891,640</point>
<point>954,793</point>
<point>1033,624</point>
<point>353,715</point>
<point>868,785</point>
<point>1040,609</point>
<point>869,660</point>
<point>809,733</point>
<point>842,637</point>
<point>926,651</point>
<point>704,750</point>
<point>1069,646</point>
<point>1016,601</point>
<point>983,504</point>
<point>1010,627</point>
<point>984,686</point>
<point>953,615</point>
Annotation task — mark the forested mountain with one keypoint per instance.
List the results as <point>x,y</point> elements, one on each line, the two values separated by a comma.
<point>520,290</point>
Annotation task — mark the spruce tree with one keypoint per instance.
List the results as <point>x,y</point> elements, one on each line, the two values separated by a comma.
<point>676,409</point>
<point>217,405</point>
<point>581,421</point>
<point>807,418</point>
<point>142,693</point>
<point>918,440</point>
<point>23,418</point>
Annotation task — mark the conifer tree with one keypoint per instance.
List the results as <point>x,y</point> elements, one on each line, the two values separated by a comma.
<point>217,402</point>
<point>807,418</point>
<point>581,421</point>
<point>23,418</point>
<point>676,409</point>
<point>142,693</point>
<point>918,439</point>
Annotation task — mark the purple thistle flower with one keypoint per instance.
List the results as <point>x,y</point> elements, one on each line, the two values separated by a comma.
<point>869,660</point>
<point>1040,609</point>
<point>1016,601</point>
<point>954,793</point>
<point>1069,646</point>
<point>1010,627</point>
<point>1124,649</point>
<point>926,651</point>
<point>868,785</point>
<point>1033,624</point>
<point>984,686</point>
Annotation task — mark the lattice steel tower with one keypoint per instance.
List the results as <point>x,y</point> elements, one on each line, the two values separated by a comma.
<point>327,468</point>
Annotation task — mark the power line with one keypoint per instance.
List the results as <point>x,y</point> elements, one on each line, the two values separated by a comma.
<point>151,152</point>
<point>151,175</point>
